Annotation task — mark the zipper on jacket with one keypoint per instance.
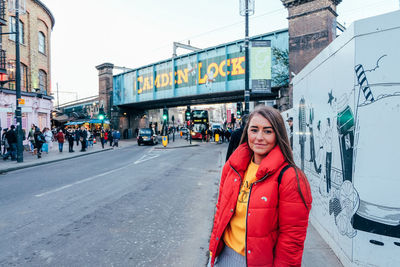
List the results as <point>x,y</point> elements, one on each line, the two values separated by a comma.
<point>247,214</point>
<point>236,172</point>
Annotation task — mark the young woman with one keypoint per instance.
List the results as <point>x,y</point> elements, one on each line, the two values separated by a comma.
<point>260,221</point>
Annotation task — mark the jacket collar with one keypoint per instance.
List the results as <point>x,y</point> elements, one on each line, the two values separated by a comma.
<point>241,157</point>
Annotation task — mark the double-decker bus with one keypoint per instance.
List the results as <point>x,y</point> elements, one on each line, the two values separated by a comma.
<point>200,123</point>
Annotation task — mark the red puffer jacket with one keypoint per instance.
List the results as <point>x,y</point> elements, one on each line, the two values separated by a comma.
<point>276,223</point>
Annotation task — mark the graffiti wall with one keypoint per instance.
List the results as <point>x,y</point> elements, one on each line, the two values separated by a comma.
<point>346,139</point>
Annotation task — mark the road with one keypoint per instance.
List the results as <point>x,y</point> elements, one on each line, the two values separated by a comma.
<point>136,206</point>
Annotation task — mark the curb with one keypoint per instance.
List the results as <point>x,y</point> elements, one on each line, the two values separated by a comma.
<point>2,171</point>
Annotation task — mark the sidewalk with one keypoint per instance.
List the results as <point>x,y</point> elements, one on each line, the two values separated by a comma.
<point>54,155</point>
<point>317,252</point>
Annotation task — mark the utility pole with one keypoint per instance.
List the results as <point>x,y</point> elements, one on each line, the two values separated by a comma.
<point>246,9</point>
<point>20,147</point>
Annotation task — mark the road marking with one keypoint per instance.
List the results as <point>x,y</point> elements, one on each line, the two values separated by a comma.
<point>81,181</point>
<point>144,158</point>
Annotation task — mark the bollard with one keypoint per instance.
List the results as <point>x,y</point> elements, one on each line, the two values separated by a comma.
<point>165,141</point>
<point>216,138</point>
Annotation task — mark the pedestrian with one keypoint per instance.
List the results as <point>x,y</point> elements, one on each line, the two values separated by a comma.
<point>31,139</point>
<point>290,123</point>
<point>4,141</point>
<point>60,137</point>
<point>39,141</point>
<point>70,137</point>
<point>236,136</point>
<point>83,138</point>
<point>110,137</point>
<point>116,137</point>
<point>11,137</point>
<point>102,138</point>
<point>261,220</point>
<point>90,138</point>
<point>77,136</point>
<point>48,136</point>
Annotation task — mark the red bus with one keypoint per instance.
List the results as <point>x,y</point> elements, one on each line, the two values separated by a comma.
<point>200,123</point>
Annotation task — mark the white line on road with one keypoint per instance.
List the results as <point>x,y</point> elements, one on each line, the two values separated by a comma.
<point>142,159</point>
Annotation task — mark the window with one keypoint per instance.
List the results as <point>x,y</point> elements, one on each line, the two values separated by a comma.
<point>42,43</point>
<point>12,76</point>
<point>12,28</point>
<point>24,77</point>
<point>43,82</point>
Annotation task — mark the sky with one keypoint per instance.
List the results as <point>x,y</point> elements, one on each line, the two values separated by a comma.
<point>134,33</point>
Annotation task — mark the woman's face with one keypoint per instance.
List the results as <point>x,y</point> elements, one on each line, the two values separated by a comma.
<point>261,137</point>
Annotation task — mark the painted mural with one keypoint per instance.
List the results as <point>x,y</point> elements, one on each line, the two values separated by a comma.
<point>346,123</point>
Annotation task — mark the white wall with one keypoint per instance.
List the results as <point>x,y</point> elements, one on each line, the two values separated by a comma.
<point>346,138</point>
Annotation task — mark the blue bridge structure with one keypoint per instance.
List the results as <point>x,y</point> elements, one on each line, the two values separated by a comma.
<point>212,75</point>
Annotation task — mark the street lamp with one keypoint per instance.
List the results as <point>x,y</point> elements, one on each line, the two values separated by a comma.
<point>246,10</point>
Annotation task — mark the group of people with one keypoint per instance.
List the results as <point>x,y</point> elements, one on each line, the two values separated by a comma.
<point>40,141</point>
<point>210,134</point>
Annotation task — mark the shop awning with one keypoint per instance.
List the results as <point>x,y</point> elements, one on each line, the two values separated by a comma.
<point>76,122</point>
<point>61,118</point>
<point>99,121</point>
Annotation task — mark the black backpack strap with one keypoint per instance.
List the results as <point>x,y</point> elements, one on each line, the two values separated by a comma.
<point>282,172</point>
<point>298,182</point>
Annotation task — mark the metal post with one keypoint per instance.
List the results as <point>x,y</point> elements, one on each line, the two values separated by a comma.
<point>20,147</point>
<point>246,55</point>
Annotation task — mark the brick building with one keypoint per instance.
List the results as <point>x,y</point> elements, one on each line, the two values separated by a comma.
<point>35,26</point>
<point>312,27</point>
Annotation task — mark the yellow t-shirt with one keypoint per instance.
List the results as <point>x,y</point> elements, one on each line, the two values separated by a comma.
<point>235,232</point>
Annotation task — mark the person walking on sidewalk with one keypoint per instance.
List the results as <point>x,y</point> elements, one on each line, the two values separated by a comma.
<point>4,141</point>
<point>264,199</point>
<point>48,136</point>
<point>39,141</point>
<point>70,138</point>
<point>102,137</point>
<point>11,137</point>
<point>236,136</point>
<point>116,137</point>
<point>31,138</point>
<point>83,138</point>
<point>77,136</point>
<point>110,137</point>
<point>60,137</point>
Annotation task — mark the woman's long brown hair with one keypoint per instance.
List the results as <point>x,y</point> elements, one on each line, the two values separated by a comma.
<point>282,140</point>
<point>278,125</point>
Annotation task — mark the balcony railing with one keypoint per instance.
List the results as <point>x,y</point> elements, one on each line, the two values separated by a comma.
<point>3,67</point>
<point>3,21</point>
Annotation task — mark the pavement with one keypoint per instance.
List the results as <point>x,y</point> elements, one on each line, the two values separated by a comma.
<point>30,160</point>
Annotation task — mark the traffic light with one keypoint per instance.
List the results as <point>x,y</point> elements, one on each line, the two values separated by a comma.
<point>101,115</point>
<point>239,109</point>
<point>165,115</point>
<point>233,119</point>
<point>188,114</point>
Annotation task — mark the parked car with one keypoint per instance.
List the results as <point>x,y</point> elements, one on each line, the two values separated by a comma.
<point>147,136</point>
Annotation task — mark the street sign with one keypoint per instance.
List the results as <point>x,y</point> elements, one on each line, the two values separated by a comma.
<point>260,66</point>
<point>21,101</point>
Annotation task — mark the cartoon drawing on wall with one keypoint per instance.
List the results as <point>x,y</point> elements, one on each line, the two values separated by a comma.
<point>302,130</point>
<point>349,210</point>
<point>372,217</point>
